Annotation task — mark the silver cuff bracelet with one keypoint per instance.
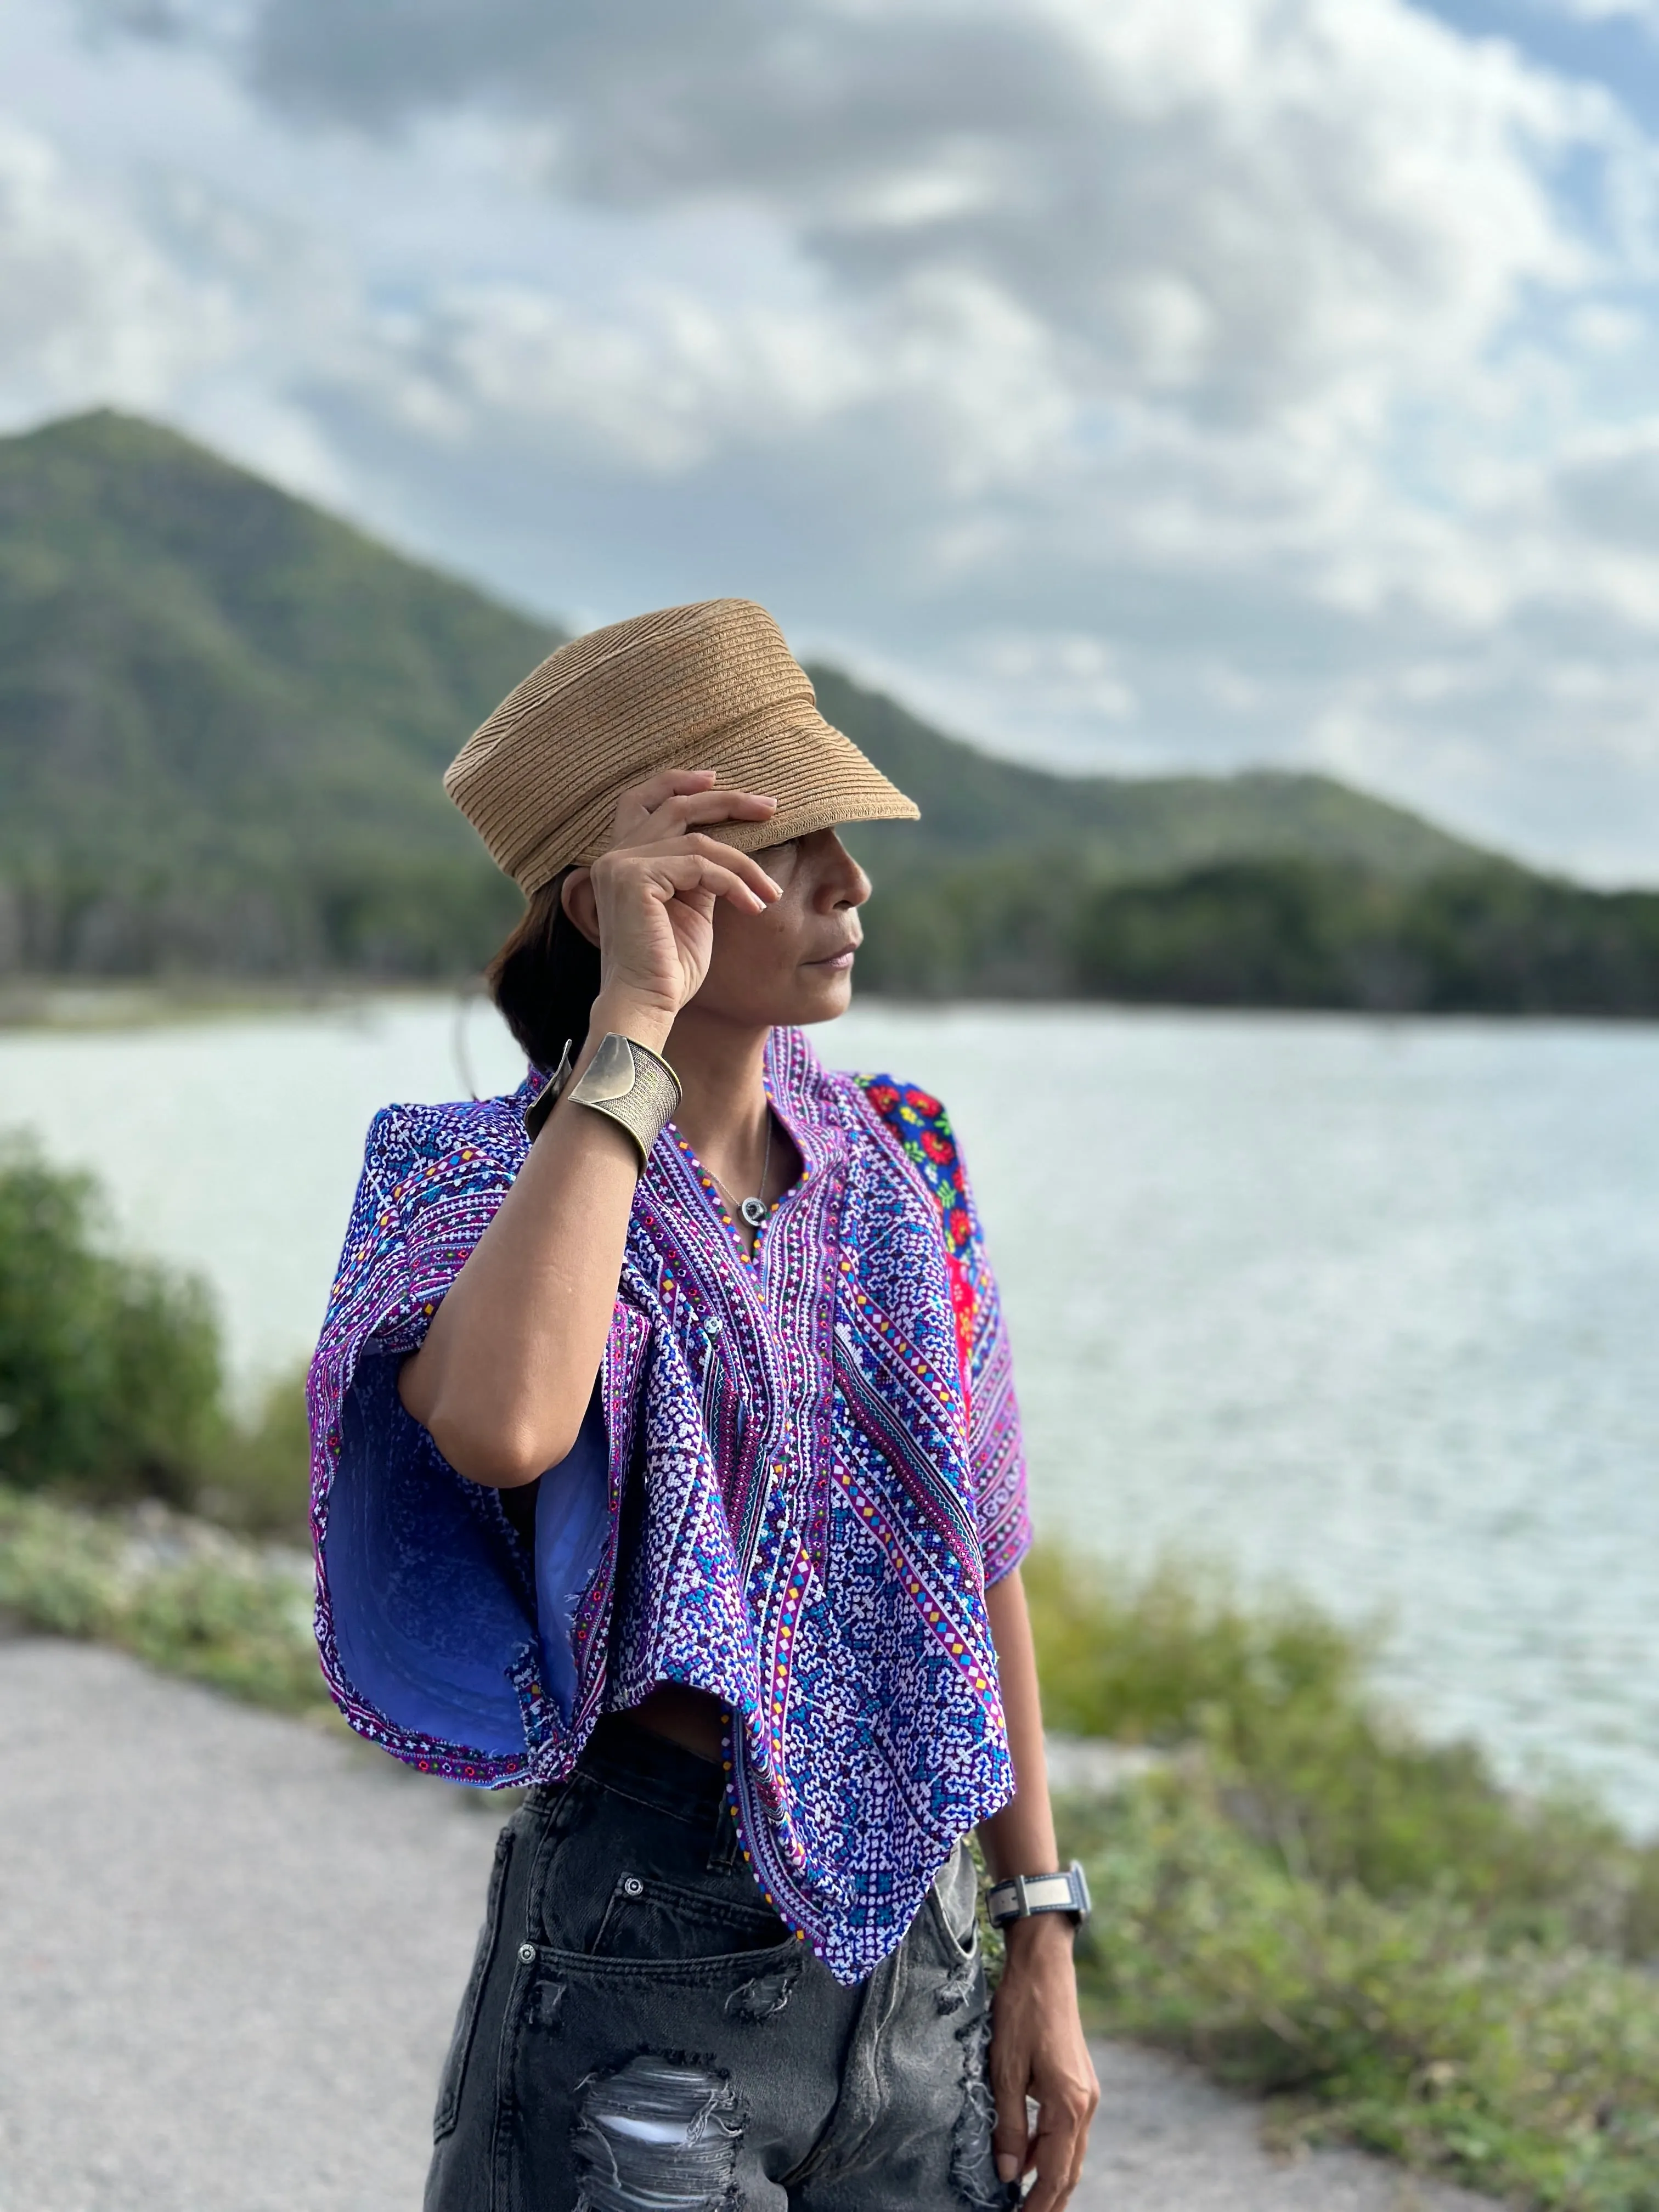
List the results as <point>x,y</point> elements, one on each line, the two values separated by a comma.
<point>626,1082</point>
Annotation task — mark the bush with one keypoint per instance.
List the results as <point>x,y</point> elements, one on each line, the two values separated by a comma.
<point>109,1367</point>
<point>1153,1662</point>
<point>111,1374</point>
<point>261,1482</point>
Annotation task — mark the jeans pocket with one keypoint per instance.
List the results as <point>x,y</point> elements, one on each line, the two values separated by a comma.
<point>649,1917</point>
<point>954,1902</point>
<point>466,2019</point>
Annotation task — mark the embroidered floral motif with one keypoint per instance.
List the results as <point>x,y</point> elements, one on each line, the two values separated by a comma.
<point>923,1129</point>
<point>816,1455</point>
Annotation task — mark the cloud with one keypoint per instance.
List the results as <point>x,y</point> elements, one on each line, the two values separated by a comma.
<point>1234,218</point>
<point>89,308</point>
<point>1294,227</point>
<point>1127,394</point>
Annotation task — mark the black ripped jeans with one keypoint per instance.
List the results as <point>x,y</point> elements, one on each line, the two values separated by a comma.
<point>640,2030</point>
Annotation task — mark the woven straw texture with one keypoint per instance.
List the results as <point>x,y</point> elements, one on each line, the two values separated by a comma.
<point>712,686</point>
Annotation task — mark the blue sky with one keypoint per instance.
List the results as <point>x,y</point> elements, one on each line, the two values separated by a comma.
<point>1612,43</point>
<point>1129,384</point>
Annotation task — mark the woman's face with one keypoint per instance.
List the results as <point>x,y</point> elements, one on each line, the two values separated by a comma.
<point>793,963</point>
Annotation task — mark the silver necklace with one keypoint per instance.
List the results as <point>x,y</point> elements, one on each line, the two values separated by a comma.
<point>753,1210</point>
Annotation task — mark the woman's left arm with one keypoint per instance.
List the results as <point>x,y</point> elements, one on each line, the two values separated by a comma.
<point>1037,2049</point>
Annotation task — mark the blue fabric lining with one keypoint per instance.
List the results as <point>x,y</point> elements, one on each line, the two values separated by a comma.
<point>572,1519</point>
<point>435,1605</point>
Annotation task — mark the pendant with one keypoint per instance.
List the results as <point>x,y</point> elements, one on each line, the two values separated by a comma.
<point>753,1211</point>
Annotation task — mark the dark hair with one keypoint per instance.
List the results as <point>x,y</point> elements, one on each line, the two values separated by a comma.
<point>546,978</point>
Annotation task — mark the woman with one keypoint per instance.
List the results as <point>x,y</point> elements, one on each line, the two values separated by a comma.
<point>667,1461</point>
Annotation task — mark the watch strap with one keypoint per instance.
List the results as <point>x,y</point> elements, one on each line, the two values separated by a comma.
<point>1023,1894</point>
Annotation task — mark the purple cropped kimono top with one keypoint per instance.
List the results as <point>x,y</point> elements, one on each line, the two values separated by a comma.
<point>797,1477</point>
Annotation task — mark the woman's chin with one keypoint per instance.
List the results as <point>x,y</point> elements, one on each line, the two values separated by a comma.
<point>823,996</point>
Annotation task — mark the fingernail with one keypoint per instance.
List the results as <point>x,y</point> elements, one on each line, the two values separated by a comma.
<point>1007,2168</point>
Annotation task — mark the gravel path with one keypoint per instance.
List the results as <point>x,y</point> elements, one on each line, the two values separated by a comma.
<point>230,1948</point>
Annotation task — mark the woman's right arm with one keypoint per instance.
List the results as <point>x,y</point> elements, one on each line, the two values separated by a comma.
<point>507,1370</point>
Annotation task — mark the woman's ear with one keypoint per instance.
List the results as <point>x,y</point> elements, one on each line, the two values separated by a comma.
<point>580,904</point>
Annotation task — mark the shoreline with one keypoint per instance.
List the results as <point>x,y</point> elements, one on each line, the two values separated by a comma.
<point>64,1006</point>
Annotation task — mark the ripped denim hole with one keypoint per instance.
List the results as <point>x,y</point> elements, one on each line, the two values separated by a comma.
<point>954,1992</point>
<point>657,2135</point>
<point>759,1998</point>
<point>973,2157</point>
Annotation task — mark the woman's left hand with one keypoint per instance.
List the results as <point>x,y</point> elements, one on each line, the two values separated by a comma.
<point>1037,2050</point>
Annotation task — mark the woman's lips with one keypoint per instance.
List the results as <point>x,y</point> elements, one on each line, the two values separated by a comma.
<point>841,959</point>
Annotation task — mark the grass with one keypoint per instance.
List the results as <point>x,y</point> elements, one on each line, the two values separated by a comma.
<point>185,1597</point>
<point>1366,1929</point>
<point>1407,2025</point>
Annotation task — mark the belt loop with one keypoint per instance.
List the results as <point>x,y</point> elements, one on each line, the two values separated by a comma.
<point>727,1848</point>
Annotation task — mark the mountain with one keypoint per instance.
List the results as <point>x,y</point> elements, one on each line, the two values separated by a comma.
<point>224,716</point>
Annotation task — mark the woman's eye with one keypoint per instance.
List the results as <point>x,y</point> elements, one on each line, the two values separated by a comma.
<point>778,859</point>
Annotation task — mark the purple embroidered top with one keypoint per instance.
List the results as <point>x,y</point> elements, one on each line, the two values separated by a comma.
<point>797,1477</point>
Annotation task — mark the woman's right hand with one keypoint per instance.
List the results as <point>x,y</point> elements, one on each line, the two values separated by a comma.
<point>653,892</point>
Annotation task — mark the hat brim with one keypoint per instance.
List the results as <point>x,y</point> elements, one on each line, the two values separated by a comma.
<point>815,773</point>
<point>827,781</point>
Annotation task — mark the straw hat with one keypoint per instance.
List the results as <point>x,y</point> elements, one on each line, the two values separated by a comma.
<point>712,686</point>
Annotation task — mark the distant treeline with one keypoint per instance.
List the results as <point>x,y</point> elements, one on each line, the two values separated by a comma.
<point>380,920</point>
<point>1269,933</point>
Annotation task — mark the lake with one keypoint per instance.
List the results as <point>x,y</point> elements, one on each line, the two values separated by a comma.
<point>1367,1307</point>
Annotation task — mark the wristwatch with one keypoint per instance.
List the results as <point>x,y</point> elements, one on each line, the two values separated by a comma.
<point>1023,1894</point>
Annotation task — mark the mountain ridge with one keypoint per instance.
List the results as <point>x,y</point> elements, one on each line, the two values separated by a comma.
<point>974,800</point>
<point>224,714</point>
